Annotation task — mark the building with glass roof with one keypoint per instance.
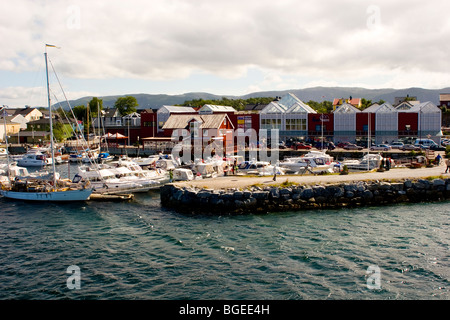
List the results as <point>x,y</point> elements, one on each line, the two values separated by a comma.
<point>289,115</point>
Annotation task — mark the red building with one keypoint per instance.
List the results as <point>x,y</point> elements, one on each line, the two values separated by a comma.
<point>149,127</point>
<point>315,122</point>
<point>408,124</point>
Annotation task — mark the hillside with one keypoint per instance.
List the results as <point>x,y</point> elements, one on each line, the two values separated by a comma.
<point>155,101</point>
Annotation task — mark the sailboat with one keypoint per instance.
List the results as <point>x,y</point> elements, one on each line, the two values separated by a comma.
<point>46,190</point>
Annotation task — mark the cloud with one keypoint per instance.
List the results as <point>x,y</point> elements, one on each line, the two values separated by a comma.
<point>173,39</point>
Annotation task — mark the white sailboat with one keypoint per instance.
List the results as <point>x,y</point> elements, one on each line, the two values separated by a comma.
<point>46,190</point>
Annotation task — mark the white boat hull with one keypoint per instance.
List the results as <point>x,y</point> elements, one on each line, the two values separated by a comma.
<point>69,195</point>
<point>31,163</point>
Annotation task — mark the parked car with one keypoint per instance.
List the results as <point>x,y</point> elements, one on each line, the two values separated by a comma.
<point>383,147</point>
<point>352,146</point>
<point>397,145</point>
<point>437,148</point>
<point>342,144</point>
<point>425,143</point>
<point>410,147</point>
<point>299,146</point>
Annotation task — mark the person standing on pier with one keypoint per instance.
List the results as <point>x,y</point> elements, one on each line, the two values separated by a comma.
<point>274,172</point>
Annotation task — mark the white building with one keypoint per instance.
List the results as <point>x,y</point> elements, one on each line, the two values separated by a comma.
<point>429,120</point>
<point>163,113</point>
<point>210,109</point>
<point>345,123</point>
<point>386,122</point>
<point>289,115</point>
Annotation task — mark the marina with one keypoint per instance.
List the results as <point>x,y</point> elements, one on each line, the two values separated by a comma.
<point>140,250</point>
<point>217,228</point>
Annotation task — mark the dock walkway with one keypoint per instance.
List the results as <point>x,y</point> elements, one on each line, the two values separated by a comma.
<point>241,182</point>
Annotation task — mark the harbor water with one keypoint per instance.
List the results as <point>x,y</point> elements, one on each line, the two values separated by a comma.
<point>138,250</point>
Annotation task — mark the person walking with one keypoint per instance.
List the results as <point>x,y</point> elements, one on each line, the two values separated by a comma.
<point>447,162</point>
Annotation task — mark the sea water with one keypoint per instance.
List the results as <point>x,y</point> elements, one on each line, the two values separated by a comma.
<point>138,250</point>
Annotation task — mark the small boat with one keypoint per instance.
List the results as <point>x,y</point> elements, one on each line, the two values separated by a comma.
<point>104,157</point>
<point>76,157</point>
<point>34,159</point>
<point>183,174</point>
<point>105,181</point>
<point>369,162</point>
<point>261,168</point>
<point>111,197</point>
<point>146,161</point>
<point>128,169</point>
<point>90,156</point>
<point>313,161</point>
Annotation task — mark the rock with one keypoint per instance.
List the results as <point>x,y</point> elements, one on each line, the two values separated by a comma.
<point>274,193</point>
<point>349,194</point>
<point>285,191</point>
<point>367,194</point>
<point>261,195</point>
<point>307,194</point>
<point>397,186</point>
<point>408,184</point>
<point>438,182</point>
<point>384,186</point>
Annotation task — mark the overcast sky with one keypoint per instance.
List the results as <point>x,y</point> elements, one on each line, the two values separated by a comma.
<point>221,47</point>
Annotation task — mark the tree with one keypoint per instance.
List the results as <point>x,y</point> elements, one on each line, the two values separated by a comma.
<point>126,105</point>
<point>365,103</point>
<point>79,112</point>
<point>94,105</point>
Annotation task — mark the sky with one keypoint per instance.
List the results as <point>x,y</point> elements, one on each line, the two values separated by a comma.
<point>230,47</point>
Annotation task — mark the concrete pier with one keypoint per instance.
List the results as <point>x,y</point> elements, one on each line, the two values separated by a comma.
<point>252,195</point>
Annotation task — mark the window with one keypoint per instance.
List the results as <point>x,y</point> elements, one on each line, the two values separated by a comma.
<point>297,125</point>
<point>271,123</point>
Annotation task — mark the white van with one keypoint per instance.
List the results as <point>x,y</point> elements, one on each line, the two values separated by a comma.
<point>425,143</point>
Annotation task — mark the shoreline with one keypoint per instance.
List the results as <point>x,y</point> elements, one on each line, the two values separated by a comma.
<point>236,195</point>
<point>242,182</point>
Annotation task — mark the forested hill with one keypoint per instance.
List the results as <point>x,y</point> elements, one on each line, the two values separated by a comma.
<point>317,94</point>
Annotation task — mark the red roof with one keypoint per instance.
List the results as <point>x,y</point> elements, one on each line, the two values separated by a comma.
<point>353,101</point>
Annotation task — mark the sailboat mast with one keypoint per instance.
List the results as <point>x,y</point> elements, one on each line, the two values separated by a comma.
<point>51,120</point>
<point>6,142</point>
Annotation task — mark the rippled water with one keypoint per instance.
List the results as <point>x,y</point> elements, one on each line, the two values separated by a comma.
<point>138,250</point>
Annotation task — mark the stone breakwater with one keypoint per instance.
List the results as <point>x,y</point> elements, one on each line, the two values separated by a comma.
<point>256,199</point>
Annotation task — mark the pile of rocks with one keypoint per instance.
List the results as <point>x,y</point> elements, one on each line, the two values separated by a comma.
<point>256,199</point>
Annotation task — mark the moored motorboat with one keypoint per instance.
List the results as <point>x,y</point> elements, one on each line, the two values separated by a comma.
<point>369,162</point>
<point>313,161</point>
<point>34,159</point>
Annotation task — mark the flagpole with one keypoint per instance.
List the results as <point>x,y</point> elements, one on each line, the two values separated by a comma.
<point>6,141</point>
